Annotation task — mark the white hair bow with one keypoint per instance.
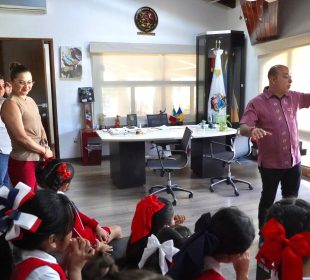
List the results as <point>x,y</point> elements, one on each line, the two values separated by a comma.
<point>12,220</point>
<point>166,251</point>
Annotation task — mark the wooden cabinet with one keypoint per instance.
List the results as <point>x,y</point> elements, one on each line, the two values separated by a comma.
<point>233,70</point>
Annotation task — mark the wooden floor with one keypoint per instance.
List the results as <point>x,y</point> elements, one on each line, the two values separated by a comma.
<point>93,192</point>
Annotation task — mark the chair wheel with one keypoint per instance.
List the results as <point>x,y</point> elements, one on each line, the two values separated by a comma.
<point>150,191</point>
<point>190,195</point>
<point>212,180</point>
<point>174,203</point>
<point>211,189</point>
<point>168,191</point>
<point>236,193</point>
<point>250,187</point>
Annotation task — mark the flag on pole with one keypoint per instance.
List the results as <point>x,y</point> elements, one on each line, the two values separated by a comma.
<point>174,113</point>
<point>217,95</point>
<point>180,115</point>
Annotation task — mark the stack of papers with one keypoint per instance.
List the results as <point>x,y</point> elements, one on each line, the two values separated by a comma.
<point>117,131</point>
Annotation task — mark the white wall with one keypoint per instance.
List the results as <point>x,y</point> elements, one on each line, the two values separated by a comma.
<point>78,22</point>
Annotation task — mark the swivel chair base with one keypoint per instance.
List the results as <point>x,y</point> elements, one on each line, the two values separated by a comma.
<point>170,189</point>
<point>230,180</point>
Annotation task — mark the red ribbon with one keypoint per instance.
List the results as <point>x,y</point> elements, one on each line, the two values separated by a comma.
<point>278,250</point>
<point>63,172</point>
<point>142,220</point>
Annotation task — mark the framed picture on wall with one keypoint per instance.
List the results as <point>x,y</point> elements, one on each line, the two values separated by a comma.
<point>70,62</point>
<point>86,94</point>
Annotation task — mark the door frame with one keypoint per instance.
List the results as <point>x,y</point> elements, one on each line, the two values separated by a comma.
<point>49,42</point>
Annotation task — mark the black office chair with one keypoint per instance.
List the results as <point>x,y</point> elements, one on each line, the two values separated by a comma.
<point>177,160</point>
<point>240,147</point>
<point>157,120</point>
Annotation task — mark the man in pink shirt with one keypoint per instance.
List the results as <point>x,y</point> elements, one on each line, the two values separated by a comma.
<point>270,118</point>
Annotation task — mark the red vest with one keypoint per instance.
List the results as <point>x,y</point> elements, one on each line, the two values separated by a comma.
<point>24,268</point>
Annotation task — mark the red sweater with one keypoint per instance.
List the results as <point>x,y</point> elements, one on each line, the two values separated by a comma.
<point>85,227</point>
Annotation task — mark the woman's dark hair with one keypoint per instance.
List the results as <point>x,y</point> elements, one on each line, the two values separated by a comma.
<point>160,219</point>
<point>57,214</point>
<point>100,266</point>
<point>177,233</point>
<point>228,232</point>
<point>138,275</point>
<point>234,230</point>
<point>16,68</point>
<point>49,177</point>
<point>1,77</point>
<point>163,217</point>
<point>293,214</point>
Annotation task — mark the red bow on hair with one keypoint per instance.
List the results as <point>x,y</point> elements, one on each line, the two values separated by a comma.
<point>63,172</point>
<point>277,249</point>
<point>142,220</point>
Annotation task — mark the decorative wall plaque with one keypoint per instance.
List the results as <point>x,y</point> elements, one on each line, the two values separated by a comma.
<point>146,20</point>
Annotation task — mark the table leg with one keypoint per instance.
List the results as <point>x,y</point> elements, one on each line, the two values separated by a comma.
<point>127,164</point>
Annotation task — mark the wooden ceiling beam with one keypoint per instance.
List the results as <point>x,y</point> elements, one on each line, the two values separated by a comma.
<point>261,18</point>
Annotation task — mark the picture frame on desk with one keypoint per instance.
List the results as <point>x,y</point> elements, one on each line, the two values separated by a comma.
<point>132,120</point>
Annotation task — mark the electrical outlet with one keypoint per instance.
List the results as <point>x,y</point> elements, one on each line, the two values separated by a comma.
<point>75,140</point>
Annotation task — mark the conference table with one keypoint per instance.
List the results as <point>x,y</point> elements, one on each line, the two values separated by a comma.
<point>127,151</point>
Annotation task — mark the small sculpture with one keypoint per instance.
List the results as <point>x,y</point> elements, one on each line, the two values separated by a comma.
<point>117,122</point>
<point>101,121</point>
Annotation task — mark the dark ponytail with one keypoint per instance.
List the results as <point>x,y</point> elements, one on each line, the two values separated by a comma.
<point>54,173</point>
<point>16,68</point>
<point>293,214</point>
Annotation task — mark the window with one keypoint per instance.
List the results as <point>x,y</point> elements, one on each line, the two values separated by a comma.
<point>298,60</point>
<point>144,83</point>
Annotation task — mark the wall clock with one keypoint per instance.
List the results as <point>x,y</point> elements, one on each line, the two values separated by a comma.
<point>146,19</point>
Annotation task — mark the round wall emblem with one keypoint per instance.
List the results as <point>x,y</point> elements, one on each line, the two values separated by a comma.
<point>146,19</point>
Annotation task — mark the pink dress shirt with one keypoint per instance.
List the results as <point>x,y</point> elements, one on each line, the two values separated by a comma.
<point>278,116</point>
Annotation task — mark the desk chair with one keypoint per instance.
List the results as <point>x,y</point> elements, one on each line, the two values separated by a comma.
<point>177,160</point>
<point>240,147</point>
<point>157,120</point>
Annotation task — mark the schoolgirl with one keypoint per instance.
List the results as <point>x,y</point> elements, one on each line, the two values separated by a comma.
<point>38,225</point>
<point>56,175</point>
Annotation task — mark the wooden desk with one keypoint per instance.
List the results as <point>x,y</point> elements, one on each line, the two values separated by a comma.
<point>127,152</point>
